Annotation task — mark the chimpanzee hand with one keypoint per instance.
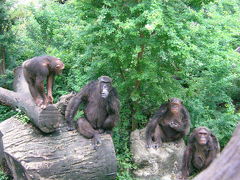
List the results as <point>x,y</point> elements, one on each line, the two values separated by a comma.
<point>50,99</point>
<point>173,124</point>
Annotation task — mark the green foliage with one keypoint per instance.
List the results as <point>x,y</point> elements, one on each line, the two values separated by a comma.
<point>21,116</point>
<point>3,176</point>
<point>6,80</point>
<point>5,22</point>
<point>79,114</point>
<point>121,141</point>
<point>6,112</point>
<point>6,35</point>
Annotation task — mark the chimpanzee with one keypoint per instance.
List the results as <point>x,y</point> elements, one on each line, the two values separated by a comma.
<point>171,122</point>
<point>202,149</point>
<point>101,109</point>
<point>36,71</point>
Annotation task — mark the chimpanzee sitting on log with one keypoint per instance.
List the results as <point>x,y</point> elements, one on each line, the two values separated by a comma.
<point>101,111</point>
<point>171,122</point>
<point>36,71</point>
<point>202,149</point>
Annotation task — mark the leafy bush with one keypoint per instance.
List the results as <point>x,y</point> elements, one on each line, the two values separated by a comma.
<point>6,112</point>
<point>3,176</point>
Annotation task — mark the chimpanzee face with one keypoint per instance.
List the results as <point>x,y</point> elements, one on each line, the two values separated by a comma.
<point>105,88</point>
<point>59,67</point>
<point>202,136</point>
<point>175,108</point>
<point>175,105</point>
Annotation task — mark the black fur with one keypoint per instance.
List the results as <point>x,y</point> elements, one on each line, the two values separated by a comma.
<point>198,156</point>
<point>164,126</point>
<point>100,114</point>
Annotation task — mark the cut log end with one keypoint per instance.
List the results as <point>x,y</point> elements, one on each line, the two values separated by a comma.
<point>49,119</point>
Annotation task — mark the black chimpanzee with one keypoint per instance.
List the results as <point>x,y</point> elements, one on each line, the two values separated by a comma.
<point>202,149</point>
<point>101,109</point>
<point>171,122</point>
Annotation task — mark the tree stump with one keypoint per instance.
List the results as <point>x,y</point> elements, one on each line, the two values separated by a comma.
<point>163,163</point>
<point>62,155</point>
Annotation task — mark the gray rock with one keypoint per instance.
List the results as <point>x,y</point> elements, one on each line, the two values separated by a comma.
<point>163,163</point>
<point>63,102</point>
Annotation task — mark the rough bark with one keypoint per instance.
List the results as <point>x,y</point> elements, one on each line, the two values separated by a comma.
<point>62,155</point>
<point>46,120</point>
<point>227,165</point>
<point>163,163</point>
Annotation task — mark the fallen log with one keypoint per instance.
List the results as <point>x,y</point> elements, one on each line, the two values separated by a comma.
<point>61,155</point>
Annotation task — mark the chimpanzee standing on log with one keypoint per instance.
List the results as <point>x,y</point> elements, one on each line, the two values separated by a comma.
<point>171,122</point>
<point>101,111</point>
<point>202,149</point>
<point>36,71</point>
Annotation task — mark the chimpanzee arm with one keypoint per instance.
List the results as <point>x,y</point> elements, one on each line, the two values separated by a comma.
<point>39,85</point>
<point>211,156</point>
<point>50,80</point>
<point>186,163</point>
<point>212,152</point>
<point>153,122</point>
<point>113,112</point>
<point>73,105</point>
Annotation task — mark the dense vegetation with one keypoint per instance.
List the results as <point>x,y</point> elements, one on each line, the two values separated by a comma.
<point>154,50</point>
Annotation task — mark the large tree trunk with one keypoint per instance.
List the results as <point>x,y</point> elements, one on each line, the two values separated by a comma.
<point>2,60</point>
<point>227,166</point>
<point>46,120</point>
<point>62,155</point>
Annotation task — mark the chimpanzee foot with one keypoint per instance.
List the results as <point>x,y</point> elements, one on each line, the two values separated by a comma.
<point>156,145</point>
<point>70,128</point>
<point>101,131</point>
<point>43,106</point>
<point>153,145</point>
<point>180,177</point>
<point>39,102</point>
<point>109,132</point>
<point>148,145</point>
<point>96,141</point>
